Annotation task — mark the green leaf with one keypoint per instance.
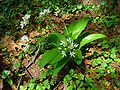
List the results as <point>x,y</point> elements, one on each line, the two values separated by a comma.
<point>117,60</point>
<point>23,87</point>
<point>48,56</point>
<point>46,84</point>
<point>10,81</point>
<point>78,55</point>
<point>17,64</point>
<point>39,87</point>
<point>113,53</point>
<point>76,28</point>
<point>57,58</point>
<point>55,37</point>
<point>70,88</point>
<point>60,65</point>
<point>90,38</point>
<point>5,73</point>
<point>44,74</point>
<point>31,86</point>
<point>80,76</point>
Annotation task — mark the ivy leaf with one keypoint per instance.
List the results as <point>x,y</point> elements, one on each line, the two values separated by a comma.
<point>46,84</point>
<point>5,73</point>
<point>70,88</point>
<point>90,38</point>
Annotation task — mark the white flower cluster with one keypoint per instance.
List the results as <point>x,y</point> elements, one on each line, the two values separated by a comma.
<point>25,21</point>
<point>45,11</point>
<point>24,43</point>
<point>57,11</point>
<point>67,46</point>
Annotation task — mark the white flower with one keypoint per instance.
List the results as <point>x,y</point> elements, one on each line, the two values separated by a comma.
<point>26,46</point>
<point>71,46</point>
<point>76,45</point>
<point>41,13</point>
<point>25,21</point>
<point>45,11</point>
<point>57,11</point>
<point>72,54</point>
<point>26,17</point>
<point>69,40</point>
<point>24,38</point>
<point>79,6</point>
<point>63,43</point>
<point>63,53</point>
<point>59,48</point>
<point>22,24</point>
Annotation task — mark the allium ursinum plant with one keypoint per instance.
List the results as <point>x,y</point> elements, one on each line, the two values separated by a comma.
<point>67,47</point>
<point>25,21</point>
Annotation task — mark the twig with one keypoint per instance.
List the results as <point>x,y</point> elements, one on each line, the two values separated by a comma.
<point>19,83</point>
<point>34,58</point>
<point>26,68</point>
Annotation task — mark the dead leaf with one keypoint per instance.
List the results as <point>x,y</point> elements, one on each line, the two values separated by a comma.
<point>9,43</point>
<point>34,34</point>
<point>107,76</point>
<point>1,84</point>
<point>12,45</point>
<point>14,87</point>
<point>87,62</point>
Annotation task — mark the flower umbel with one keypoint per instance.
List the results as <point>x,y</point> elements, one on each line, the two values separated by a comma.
<point>25,21</point>
<point>68,46</point>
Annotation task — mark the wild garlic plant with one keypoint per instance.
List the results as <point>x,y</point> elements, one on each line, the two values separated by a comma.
<point>45,11</point>
<point>24,43</point>
<point>67,47</point>
<point>25,21</point>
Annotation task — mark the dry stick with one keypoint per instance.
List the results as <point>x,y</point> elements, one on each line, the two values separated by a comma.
<point>33,61</point>
<point>19,83</point>
<point>34,58</point>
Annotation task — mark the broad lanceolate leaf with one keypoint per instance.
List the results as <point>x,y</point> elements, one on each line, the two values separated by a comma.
<point>76,28</point>
<point>90,38</point>
<point>50,55</point>
<point>60,65</point>
<point>55,37</point>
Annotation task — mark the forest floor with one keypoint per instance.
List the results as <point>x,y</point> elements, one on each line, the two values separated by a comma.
<point>101,62</point>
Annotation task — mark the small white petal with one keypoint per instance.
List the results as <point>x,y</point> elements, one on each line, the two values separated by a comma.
<point>24,38</point>
<point>59,48</point>
<point>63,53</point>
<point>76,45</point>
<point>72,54</point>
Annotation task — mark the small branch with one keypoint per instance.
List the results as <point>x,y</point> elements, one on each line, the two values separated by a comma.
<point>19,83</point>
<point>33,59</point>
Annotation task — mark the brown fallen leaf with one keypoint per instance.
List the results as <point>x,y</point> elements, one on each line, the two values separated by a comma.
<point>12,45</point>
<point>9,43</point>
<point>1,84</point>
<point>14,87</point>
<point>107,76</point>
<point>33,34</point>
<point>87,62</point>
